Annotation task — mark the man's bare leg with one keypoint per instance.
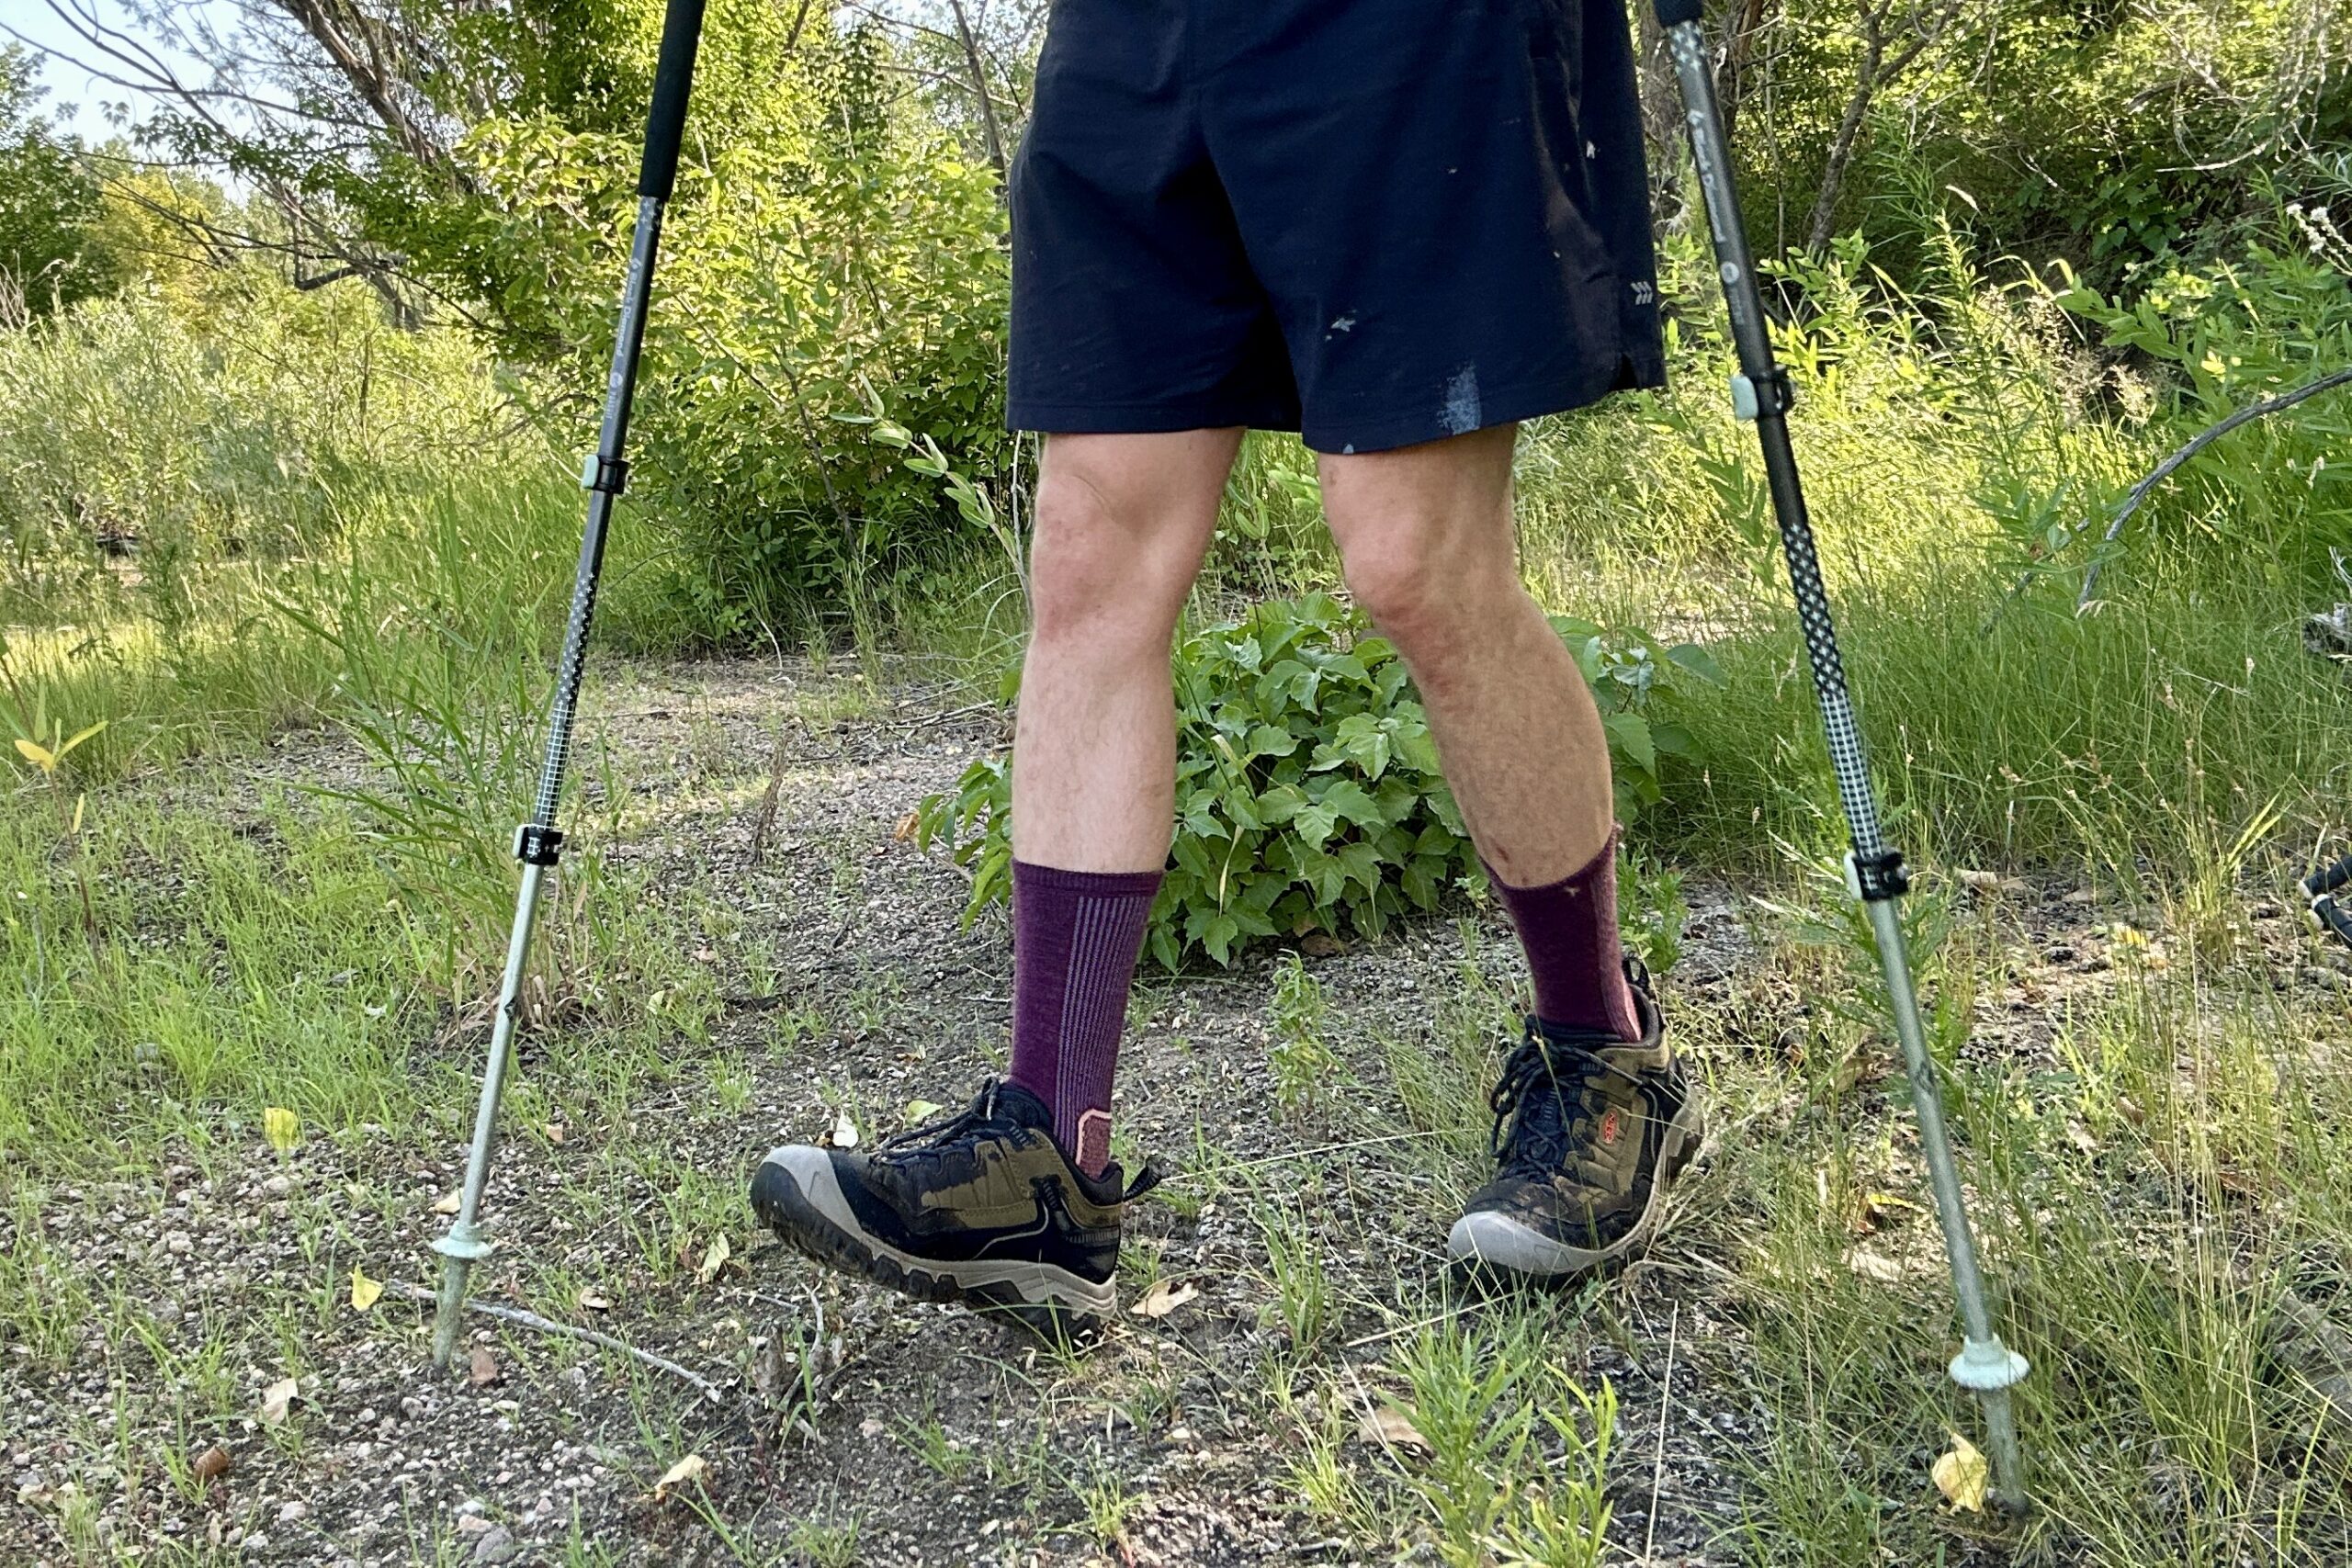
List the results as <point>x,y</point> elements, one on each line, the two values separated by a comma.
<point>1426,536</point>
<point>1431,555</point>
<point>1122,523</point>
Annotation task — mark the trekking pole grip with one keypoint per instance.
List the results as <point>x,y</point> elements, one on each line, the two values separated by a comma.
<point>666,126</point>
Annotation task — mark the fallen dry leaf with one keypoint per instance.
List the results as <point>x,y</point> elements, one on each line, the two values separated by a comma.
<point>713,1259</point>
<point>1164,1297</point>
<point>1873,1264</point>
<point>844,1133</point>
<point>690,1468</point>
<point>554,1130</point>
<point>448,1202</point>
<point>1959,1474</point>
<point>594,1300</point>
<point>364,1291</point>
<point>211,1464</point>
<point>481,1368</point>
<point>1394,1429</point>
<point>277,1400</point>
<point>1321,944</point>
<point>908,827</point>
<point>922,1110</point>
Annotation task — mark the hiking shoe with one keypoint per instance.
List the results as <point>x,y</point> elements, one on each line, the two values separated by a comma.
<point>980,1207</point>
<point>1588,1130</point>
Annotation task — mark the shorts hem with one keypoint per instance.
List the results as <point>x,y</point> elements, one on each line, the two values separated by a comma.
<point>1156,418</point>
<point>1506,405</point>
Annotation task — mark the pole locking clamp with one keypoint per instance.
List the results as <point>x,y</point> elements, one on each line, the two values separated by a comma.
<point>1752,395</point>
<point>1878,879</point>
<point>537,845</point>
<point>608,474</point>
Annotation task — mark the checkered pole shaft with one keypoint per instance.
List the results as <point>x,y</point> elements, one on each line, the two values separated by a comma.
<point>537,843</point>
<point>1760,393</point>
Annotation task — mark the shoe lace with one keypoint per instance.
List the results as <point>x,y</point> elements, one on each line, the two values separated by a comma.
<point>976,1123</point>
<point>1543,1079</point>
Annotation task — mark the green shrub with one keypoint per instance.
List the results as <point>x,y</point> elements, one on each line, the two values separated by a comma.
<point>1308,791</point>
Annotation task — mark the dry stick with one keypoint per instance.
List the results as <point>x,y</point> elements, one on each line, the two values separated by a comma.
<point>1657,1459</point>
<point>549,1325</point>
<point>2163,471</point>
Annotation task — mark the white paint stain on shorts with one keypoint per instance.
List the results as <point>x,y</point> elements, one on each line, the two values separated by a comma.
<point>1459,416</point>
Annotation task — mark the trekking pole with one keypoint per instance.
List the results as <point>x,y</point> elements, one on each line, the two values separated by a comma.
<point>538,844</point>
<point>1874,874</point>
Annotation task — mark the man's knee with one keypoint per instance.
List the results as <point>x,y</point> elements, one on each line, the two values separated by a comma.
<point>1106,566</point>
<point>1427,599</point>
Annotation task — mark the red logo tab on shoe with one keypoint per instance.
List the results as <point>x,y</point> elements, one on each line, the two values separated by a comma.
<point>1608,1128</point>
<point>1093,1140</point>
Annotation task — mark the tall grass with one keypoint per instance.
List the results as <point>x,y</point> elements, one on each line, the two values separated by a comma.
<point>398,570</point>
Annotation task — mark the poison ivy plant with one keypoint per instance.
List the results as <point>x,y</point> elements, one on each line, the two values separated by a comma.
<point>1308,790</point>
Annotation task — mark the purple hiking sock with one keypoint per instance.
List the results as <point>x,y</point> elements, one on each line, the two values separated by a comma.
<point>1574,955</point>
<point>1076,937</point>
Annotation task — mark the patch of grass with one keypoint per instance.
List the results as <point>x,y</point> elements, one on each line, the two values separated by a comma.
<point>1306,1070</point>
<point>2147,1194</point>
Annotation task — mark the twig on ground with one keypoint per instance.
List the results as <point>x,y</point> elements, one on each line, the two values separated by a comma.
<point>1657,1456</point>
<point>549,1325</point>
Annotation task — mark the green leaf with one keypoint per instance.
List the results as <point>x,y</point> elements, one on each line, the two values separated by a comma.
<point>1281,803</point>
<point>1348,798</point>
<point>1629,733</point>
<point>1269,740</point>
<point>1691,657</point>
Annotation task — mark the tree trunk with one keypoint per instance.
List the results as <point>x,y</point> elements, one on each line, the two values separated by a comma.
<point>980,90</point>
<point>1841,151</point>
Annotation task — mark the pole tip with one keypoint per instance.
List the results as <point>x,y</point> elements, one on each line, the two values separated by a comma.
<point>1984,1365</point>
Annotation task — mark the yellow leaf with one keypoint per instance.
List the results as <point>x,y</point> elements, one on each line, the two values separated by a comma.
<point>39,755</point>
<point>282,1128</point>
<point>78,738</point>
<point>713,1259</point>
<point>922,1110</point>
<point>687,1470</point>
<point>1959,1474</point>
<point>364,1291</point>
<point>79,802</point>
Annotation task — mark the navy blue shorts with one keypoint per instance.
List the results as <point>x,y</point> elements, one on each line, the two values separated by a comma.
<point>1378,221</point>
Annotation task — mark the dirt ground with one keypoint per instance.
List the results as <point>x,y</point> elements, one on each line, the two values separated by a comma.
<point>850,1426</point>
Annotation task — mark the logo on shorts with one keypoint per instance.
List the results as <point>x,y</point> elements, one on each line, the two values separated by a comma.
<point>1643,293</point>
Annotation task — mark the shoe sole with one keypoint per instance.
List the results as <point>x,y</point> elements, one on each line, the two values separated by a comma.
<point>796,1195</point>
<point>1499,1243</point>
